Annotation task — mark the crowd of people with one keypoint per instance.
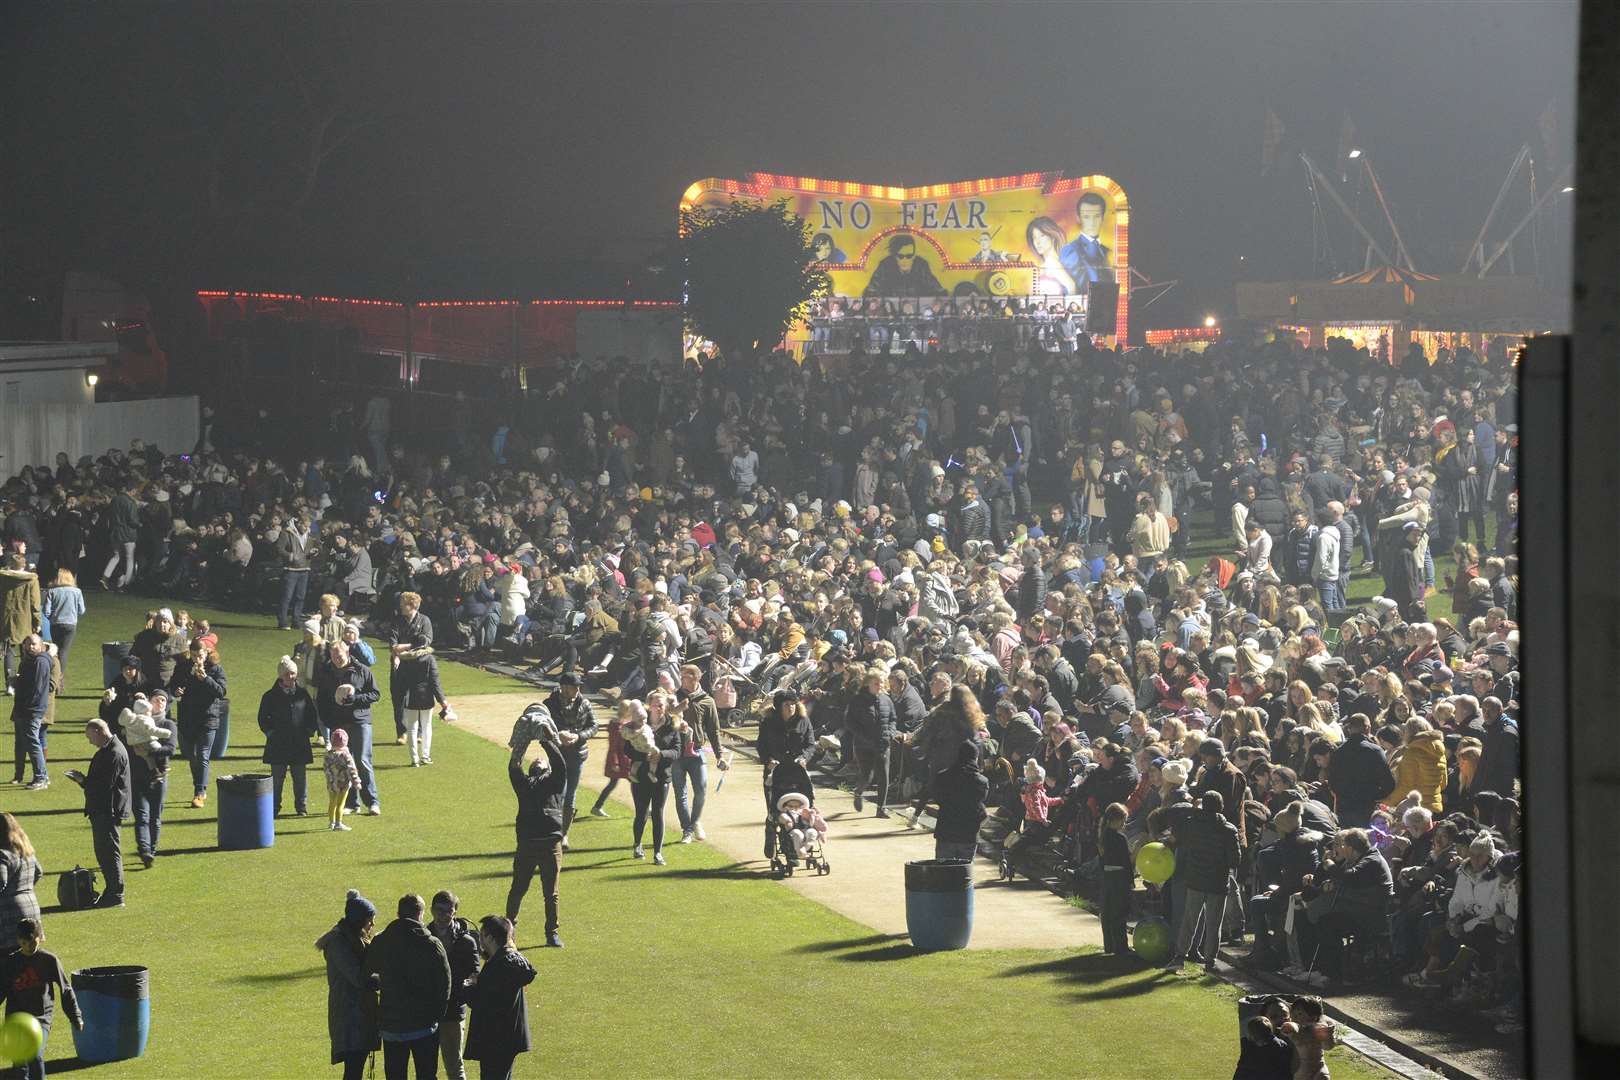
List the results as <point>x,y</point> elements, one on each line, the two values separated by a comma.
<point>965,581</point>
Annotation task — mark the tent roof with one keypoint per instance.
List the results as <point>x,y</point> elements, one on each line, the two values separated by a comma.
<point>1383,275</point>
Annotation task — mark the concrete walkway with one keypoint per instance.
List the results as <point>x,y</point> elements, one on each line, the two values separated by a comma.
<point>866,853</point>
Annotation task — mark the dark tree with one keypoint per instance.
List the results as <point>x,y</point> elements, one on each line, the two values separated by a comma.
<point>750,273</point>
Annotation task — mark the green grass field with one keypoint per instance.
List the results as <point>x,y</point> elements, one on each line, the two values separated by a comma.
<point>701,969</point>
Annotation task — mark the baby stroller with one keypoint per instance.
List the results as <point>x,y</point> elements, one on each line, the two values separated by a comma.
<point>800,838</point>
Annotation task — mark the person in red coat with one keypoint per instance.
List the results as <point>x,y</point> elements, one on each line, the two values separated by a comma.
<point>615,763</point>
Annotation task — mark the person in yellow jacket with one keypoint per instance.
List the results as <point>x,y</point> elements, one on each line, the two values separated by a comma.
<point>1420,765</point>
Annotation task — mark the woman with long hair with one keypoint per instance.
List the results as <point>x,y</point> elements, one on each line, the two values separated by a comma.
<point>1045,240</point>
<point>940,737</point>
<point>199,682</point>
<point>19,873</point>
<point>64,605</point>
<point>652,746</point>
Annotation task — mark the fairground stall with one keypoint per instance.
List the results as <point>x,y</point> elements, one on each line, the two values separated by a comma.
<point>1386,310</point>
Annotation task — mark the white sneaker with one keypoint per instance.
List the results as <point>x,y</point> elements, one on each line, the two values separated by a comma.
<point>375,809</point>
<point>697,831</point>
<point>341,827</point>
<point>911,822</point>
<point>416,763</point>
<point>597,811</point>
<point>686,836</point>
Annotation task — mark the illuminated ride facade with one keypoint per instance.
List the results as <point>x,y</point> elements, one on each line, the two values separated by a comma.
<point>1033,260</point>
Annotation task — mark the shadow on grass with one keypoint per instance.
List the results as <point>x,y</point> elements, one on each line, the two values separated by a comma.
<point>463,856</point>
<point>734,872</point>
<point>848,943</point>
<point>48,813</point>
<point>1108,977</point>
<point>271,978</point>
<point>899,951</point>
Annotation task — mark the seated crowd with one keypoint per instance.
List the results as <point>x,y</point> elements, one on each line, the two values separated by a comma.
<point>860,542</point>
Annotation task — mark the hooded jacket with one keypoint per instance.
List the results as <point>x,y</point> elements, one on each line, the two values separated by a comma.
<point>1422,768</point>
<point>413,977</point>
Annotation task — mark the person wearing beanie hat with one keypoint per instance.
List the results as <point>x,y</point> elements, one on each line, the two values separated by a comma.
<point>1037,824</point>
<point>287,718</point>
<point>350,1018</point>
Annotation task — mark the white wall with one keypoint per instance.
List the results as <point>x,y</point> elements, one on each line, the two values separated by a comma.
<point>34,435</point>
<point>35,387</point>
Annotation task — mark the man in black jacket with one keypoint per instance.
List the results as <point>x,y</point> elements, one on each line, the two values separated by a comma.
<point>33,691</point>
<point>1358,774</point>
<point>539,828</point>
<point>407,966</point>
<point>461,950</point>
<point>1206,855</point>
<point>1060,677</point>
<point>106,804</point>
<point>576,723</point>
<point>870,720</point>
<point>345,692</point>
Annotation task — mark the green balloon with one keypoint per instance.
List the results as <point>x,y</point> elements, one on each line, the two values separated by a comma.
<point>1155,863</point>
<point>21,1037</point>
<point>1152,940</point>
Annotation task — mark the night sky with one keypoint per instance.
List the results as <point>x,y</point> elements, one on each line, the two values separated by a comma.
<point>523,148</point>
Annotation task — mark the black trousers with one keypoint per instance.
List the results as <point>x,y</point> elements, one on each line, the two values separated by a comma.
<point>496,1067</point>
<point>649,798</point>
<point>109,854</point>
<point>545,855</point>
<point>872,767</point>
<point>1116,905</point>
<point>397,1057</point>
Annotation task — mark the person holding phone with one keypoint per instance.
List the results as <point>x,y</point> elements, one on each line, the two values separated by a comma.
<point>199,683</point>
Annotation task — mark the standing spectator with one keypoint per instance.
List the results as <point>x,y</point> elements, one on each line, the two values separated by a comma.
<point>149,778</point>
<point>348,690</point>
<point>417,678</point>
<point>30,980</point>
<point>870,719</point>
<point>961,791</point>
<point>342,778</point>
<point>64,606</point>
<point>540,813</point>
<point>576,723</point>
<point>702,719</point>
<point>499,1029</point>
<point>1499,758</point>
<point>106,804</point>
<point>19,874</point>
<point>200,686</point>
<point>19,607</point>
<point>1358,774</point>
<point>653,746</point>
<point>350,1018</point>
<point>1206,855</point>
<point>287,718</point>
<point>1325,560</point>
<point>294,545</point>
<point>408,967</point>
<point>410,632</point>
<point>159,646</point>
<point>33,695</point>
<point>1119,876</point>
<point>123,529</point>
<point>461,950</point>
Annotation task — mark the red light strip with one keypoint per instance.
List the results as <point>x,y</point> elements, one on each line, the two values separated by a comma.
<point>218,294</point>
